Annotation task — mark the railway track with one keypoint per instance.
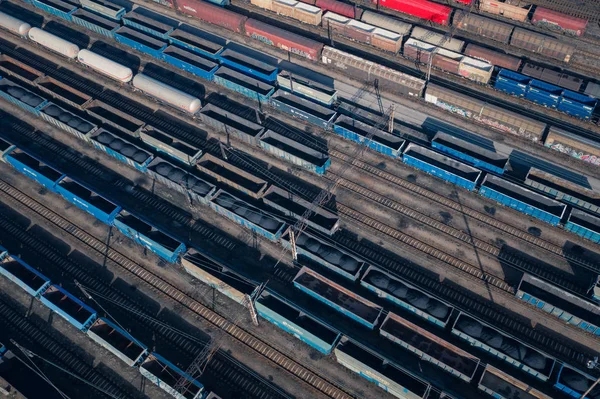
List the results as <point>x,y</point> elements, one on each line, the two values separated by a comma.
<point>171,292</point>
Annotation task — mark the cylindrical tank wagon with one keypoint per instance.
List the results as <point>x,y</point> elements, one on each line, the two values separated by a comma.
<point>14,25</point>
<point>105,66</point>
<point>54,43</point>
<point>166,93</point>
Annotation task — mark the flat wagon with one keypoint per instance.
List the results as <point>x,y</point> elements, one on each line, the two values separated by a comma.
<point>87,200</point>
<point>68,307</point>
<point>20,273</point>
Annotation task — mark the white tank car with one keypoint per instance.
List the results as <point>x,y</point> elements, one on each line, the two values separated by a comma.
<point>13,24</point>
<point>166,93</point>
<point>53,42</point>
<point>105,66</point>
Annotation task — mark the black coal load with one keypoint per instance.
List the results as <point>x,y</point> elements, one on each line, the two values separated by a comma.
<point>122,147</point>
<point>68,118</point>
<point>574,380</point>
<point>502,343</point>
<point>416,298</point>
<point>242,209</point>
<point>24,96</point>
<point>179,176</point>
<point>328,253</point>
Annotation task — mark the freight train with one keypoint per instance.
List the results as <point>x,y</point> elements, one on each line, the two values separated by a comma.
<point>104,332</point>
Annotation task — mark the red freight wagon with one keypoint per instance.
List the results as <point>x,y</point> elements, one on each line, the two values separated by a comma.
<point>557,21</point>
<point>337,7</point>
<point>283,39</point>
<point>428,10</point>
<point>213,14</point>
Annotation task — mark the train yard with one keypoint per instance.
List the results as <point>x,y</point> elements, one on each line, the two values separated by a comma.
<point>188,236</point>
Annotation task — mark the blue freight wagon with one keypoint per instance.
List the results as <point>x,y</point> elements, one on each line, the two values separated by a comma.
<point>503,346</point>
<point>407,296</point>
<point>104,8</point>
<point>170,146</point>
<point>68,307</point>
<point>147,24</point>
<point>247,215</point>
<point>249,62</point>
<point>59,8</point>
<point>121,148</point>
<point>387,376</point>
<point>303,109</point>
<point>305,87</point>
<point>32,168</point>
<point>523,200</point>
<point>575,383</point>
<point>140,41</point>
<point>544,93</point>
<point>180,180</point>
<point>441,166</point>
<point>190,62</point>
<point>326,255</point>
<point>294,152</point>
<point>577,105</point>
<point>87,200</point>
<point>119,342</point>
<point>429,347</point>
<point>166,375</point>
<point>21,97</point>
<point>198,41</point>
<point>149,236</point>
<point>25,276</point>
<point>500,385</point>
<point>95,23</point>
<point>470,153</point>
<point>5,147</point>
<point>293,320</point>
<point>512,82</point>
<point>234,177</point>
<point>584,225</point>
<point>67,121</point>
<point>337,297</point>
<point>244,84</point>
<point>234,125</point>
<point>380,141</point>
<point>559,303</point>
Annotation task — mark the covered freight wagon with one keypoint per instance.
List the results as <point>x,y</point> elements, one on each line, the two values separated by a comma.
<point>556,78</point>
<point>438,39</point>
<point>213,14</point>
<point>573,145</point>
<point>495,58</point>
<point>557,21</point>
<point>338,7</point>
<point>481,26</point>
<point>542,44</point>
<point>424,9</point>
<point>386,22</point>
<point>506,8</point>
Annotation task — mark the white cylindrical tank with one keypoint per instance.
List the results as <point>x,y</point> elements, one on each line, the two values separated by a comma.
<point>13,24</point>
<point>54,42</point>
<point>168,94</point>
<point>105,66</point>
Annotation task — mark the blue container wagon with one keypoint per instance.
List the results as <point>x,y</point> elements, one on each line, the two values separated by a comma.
<point>166,376</point>
<point>250,62</point>
<point>382,142</point>
<point>544,93</point>
<point>68,121</point>
<point>117,341</point>
<point>140,41</point>
<point>104,8</point>
<point>121,148</point>
<point>498,385</point>
<point>59,8</point>
<point>295,152</point>
<point>512,82</point>
<point>190,62</point>
<point>32,168</point>
<point>21,97</point>
<point>68,307</point>
<point>144,23</point>
<point>577,105</point>
<point>232,124</point>
<point>575,383</point>
<point>25,276</point>
<point>470,153</point>
<point>303,109</point>
<point>232,176</point>
<point>245,85</point>
<point>170,146</point>
<point>198,41</point>
<point>181,181</point>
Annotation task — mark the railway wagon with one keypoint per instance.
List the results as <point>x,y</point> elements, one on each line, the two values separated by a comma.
<point>296,322</point>
<point>296,153</point>
<point>68,307</point>
<point>326,255</point>
<point>574,383</point>
<point>105,66</point>
<point>190,62</point>
<point>556,21</point>
<point>243,84</point>
<point>471,153</point>
<point>32,167</point>
<point>250,62</point>
<point>105,8</point>
<point>303,109</point>
<point>577,147</point>
<point>305,87</point>
<point>14,25</point>
<point>337,297</point>
<point>560,303</point>
<point>584,225</point>
<point>386,22</point>
<point>424,9</point>
<point>523,200</point>
<point>247,215</point>
<point>166,93</point>
<point>363,33</point>
<point>490,115</point>
<point>181,180</point>
<point>58,8</point>
<point>21,97</point>
<point>338,7</point>
<point>117,119</point>
<point>389,377</point>
<point>232,176</point>
<point>167,376</point>
<point>500,385</point>
<point>141,20</point>
<point>149,237</point>
<point>197,41</point>
<point>5,147</point>
<point>505,9</point>
<point>380,141</point>
<point>96,23</point>
<point>503,346</point>
<point>441,166</point>
<point>429,347</point>
<point>405,295</point>
<point>293,206</point>
<point>213,14</point>
<point>121,148</point>
<point>117,341</point>
<point>76,125</point>
<point>218,277</point>
<point>556,78</point>
<point>482,26</point>
<point>363,70</point>
<point>542,44</point>
<point>18,71</point>
<point>53,43</point>
<point>140,41</point>
<point>437,39</point>
<point>20,273</point>
<point>234,125</point>
<point>87,200</point>
<point>63,92</point>
<point>496,58</point>
<point>170,146</point>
